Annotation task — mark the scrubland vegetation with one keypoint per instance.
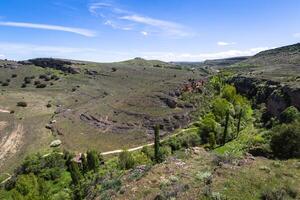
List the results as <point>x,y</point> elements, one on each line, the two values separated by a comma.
<point>227,125</point>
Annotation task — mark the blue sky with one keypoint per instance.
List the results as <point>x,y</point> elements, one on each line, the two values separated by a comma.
<point>169,30</point>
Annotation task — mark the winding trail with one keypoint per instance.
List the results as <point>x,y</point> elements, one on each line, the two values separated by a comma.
<point>121,150</point>
<point>4,111</point>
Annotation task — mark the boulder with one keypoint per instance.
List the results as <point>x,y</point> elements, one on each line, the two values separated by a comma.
<point>55,143</point>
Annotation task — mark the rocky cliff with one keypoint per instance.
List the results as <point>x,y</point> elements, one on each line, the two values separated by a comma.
<point>275,95</point>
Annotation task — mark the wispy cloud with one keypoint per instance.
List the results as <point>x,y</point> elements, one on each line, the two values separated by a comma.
<point>225,43</point>
<point>122,19</point>
<point>80,31</point>
<point>169,56</point>
<point>296,35</point>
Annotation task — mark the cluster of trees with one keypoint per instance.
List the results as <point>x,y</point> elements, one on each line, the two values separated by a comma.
<point>229,113</point>
<point>285,138</point>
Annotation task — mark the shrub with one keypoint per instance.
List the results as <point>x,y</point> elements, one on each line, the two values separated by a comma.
<point>37,82</point>
<point>126,160</point>
<point>27,80</point>
<point>141,158</point>
<point>22,104</point>
<point>285,142</point>
<point>23,85</point>
<point>48,105</point>
<point>42,85</point>
<point>289,115</point>
<point>8,80</point>
<point>148,151</point>
<point>279,194</point>
<point>5,84</point>
<point>14,75</point>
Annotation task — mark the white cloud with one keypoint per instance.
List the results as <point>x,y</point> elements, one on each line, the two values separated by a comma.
<point>296,35</point>
<point>169,56</point>
<point>122,19</point>
<point>2,56</point>
<point>225,43</point>
<point>145,33</point>
<point>80,31</point>
<point>27,51</point>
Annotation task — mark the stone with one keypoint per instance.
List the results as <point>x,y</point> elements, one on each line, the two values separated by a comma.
<point>55,143</point>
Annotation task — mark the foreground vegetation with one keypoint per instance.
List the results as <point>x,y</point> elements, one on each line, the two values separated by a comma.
<point>209,160</point>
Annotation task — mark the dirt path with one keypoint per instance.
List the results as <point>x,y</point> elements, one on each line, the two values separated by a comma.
<point>3,124</point>
<point>11,143</point>
<point>140,147</point>
<point>4,111</point>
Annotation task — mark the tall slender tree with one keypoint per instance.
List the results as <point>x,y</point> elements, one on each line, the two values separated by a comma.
<point>75,173</point>
<point>239,121</point>
<point>226,127</point>
<point>157,155</point>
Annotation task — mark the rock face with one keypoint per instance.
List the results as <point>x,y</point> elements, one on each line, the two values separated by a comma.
<point>62,65</point>
<point>276,96</point>
<point>55,143</point>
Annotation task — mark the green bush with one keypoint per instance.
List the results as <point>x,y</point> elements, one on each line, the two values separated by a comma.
<point>289,115</point>
<point>126,160</point>
<point>22,104</point>
<point>285,142</point>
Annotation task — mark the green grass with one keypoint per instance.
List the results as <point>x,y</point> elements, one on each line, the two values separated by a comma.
<point>237,147</point>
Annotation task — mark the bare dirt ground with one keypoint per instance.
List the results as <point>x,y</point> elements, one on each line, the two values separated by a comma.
<point>3,124</point>
<point>11,143</point>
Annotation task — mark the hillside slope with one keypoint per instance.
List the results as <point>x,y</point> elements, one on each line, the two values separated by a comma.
<point>105,106</point>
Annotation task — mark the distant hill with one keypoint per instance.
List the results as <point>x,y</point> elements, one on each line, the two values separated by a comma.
<point>283,55</point>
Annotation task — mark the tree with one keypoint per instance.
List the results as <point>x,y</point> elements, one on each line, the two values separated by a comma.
<point>212,140</point>
<point>85,166</point>
<point>239,121</point>
<point>157,155</point>
<point>289,115</point>
<point>285,142</point>
<point>207,126</point>
<point>229,93</point>
<point>75,173</point>
<point>220,108</point>
<point>92,160</point>
<point>225,128</point>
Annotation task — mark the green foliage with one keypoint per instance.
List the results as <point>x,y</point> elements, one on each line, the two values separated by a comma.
<point>220,107</point>
<point>141,158</point>
<point>126,160</point>
<point>26,184</point>
<point>289,115</point>
<point>285,142</point>
<point>75,173</point>
<point>92,160</point>
<point>229,93</point>
<point>157,155</point>
<point>208,125</point>
<point>212,140</point>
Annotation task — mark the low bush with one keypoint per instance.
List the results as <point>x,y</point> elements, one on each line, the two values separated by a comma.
<point>22,104</point>
<point>5,84</point>
<point>126,160</point>
<point>42,85</point>
<point>14,75</point>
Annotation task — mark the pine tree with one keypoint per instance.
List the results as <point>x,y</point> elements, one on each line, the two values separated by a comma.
<point>226,127</point>
<point>212,140</point>
<point>75,173</point>
<point>92,160</point>
<point>85,167</point>
<point>157,155</point>
<point>239,121</point>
